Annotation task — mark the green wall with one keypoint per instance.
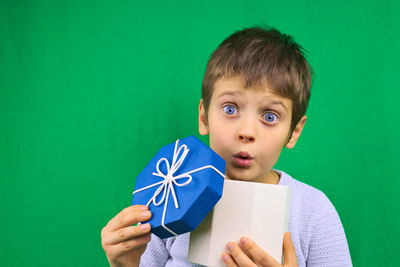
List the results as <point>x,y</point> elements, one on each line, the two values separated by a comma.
<point>90,91</point>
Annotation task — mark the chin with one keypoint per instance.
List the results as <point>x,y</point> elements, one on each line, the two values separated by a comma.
<point>238,177</point>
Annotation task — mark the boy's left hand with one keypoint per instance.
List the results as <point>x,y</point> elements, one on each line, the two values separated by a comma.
<point>247,253</point>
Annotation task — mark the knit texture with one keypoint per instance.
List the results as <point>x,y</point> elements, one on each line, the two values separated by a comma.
<point>314,224</point>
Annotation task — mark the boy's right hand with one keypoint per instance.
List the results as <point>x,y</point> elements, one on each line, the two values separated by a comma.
<point>124,243</point>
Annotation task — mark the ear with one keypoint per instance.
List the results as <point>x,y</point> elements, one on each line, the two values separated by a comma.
<point>296,132</point>
<point>203,128</point>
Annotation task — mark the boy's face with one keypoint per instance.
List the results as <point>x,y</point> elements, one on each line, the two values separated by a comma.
<point>248,128</point>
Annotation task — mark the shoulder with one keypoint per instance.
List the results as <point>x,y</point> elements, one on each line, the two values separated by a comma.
<point>310,209</point>
<point>316,226</point>
<point>308,198</point>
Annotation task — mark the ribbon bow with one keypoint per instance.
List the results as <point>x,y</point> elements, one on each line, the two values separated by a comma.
<point>166,186</point>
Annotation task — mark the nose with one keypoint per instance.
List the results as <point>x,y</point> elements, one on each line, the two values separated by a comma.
<point>246,131</point>
<point>246,139</point>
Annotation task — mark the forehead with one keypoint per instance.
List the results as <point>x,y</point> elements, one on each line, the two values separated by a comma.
<point>235,87</point>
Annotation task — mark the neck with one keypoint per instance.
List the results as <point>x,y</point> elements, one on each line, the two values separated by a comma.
<point>272,178</point>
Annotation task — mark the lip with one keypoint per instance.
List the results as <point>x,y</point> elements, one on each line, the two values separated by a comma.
<point>242,159</point>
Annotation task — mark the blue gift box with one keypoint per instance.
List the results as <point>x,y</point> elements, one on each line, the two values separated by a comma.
<point>181,185</point>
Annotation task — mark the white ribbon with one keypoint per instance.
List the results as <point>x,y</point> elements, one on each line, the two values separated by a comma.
<point>166,186</point>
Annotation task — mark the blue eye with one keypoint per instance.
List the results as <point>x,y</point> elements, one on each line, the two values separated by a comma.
<point>270,117</point>
<point>230,109</point>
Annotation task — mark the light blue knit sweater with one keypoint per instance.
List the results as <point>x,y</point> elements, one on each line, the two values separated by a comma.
<point>314,224</point>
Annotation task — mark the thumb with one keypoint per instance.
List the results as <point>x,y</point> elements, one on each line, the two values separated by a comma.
<point>289,251</point>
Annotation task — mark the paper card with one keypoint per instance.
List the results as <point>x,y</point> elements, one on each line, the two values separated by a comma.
<point>246,209</point>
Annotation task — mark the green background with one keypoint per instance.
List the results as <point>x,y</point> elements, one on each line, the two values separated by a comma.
<point>90,90</point>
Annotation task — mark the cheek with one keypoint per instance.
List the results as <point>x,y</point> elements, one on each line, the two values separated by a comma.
<point>219,140</point>
<point>274,145</point>
<point>270,154</point>
<point>216,142</point>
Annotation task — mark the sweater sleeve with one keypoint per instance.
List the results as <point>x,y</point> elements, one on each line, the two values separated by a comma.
<point>156,253</point>
<point>328,245</point>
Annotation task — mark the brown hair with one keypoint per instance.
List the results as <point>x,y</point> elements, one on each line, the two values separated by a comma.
<point>260,56</point>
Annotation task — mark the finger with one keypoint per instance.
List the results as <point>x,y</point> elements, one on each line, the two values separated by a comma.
<point>134,244</point>
<point>258,255</point>
<point>126,211</point>
<point>129,216</point>
<point>127,233</point>
<point>289,251</point>
<point>228,260</point>
<point>238,255</point>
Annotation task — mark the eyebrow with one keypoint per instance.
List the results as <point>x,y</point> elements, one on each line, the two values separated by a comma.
<point>229,93</point>
<point>276,102</point>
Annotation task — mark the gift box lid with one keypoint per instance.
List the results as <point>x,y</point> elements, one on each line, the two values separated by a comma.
<point>181,185</point>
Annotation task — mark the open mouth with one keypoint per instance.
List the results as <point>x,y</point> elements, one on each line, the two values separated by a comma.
<point>242,159</point>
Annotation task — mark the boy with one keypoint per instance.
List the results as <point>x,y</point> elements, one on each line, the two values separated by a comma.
<point>255,94</point>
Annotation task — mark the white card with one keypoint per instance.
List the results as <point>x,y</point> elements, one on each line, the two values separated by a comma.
<point>246,209</point>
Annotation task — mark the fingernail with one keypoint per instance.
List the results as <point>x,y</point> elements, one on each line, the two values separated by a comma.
<point>243,241</point>
<point>224,257</point>
<point>146,214</point>
<point>147,238</point>
<point>145,227</point>
<point>144,208</point>
<point>230,245</point>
